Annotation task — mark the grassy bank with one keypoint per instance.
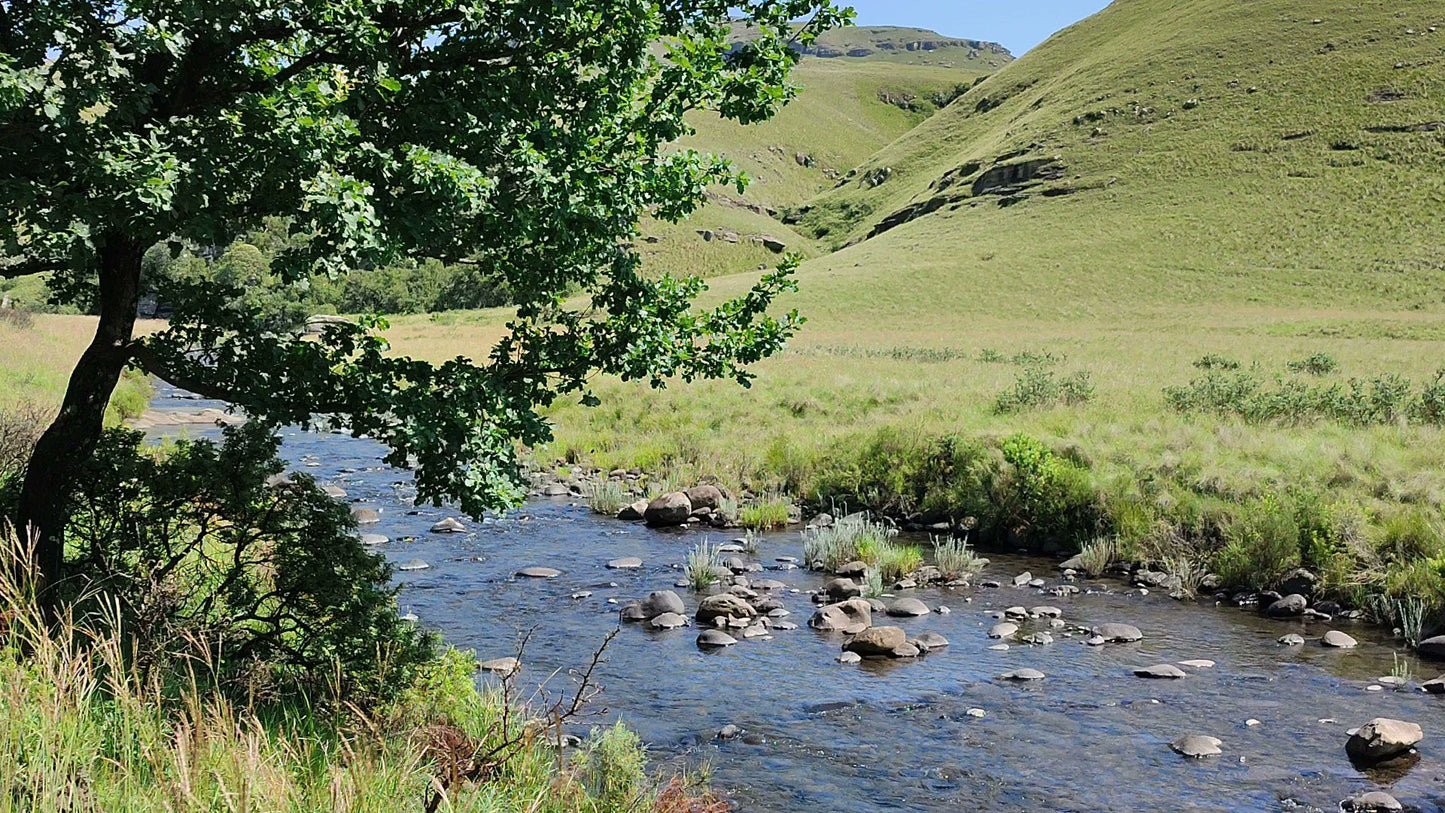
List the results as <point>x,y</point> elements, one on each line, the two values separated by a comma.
<point>885,402</point>
<point>40,350</point>
<point>85,727</point>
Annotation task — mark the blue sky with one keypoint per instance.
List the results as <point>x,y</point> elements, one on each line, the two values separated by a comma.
<point>1018,24</point>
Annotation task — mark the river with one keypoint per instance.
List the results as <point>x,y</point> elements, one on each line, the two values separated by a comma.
<point>895,736</point>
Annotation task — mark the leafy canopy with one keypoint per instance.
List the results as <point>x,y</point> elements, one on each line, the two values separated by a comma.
<point>526,137</point>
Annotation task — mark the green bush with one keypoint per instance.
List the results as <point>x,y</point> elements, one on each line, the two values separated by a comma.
<point>1261,544</point>
<point>1038,387</point>
<point>1214,361</point>
<point>613,768</point>
<point>1378,401</point>
<point>766,514</point>
<point>201,543</point>
<point>1043,495</point>
<point>1319,364</point>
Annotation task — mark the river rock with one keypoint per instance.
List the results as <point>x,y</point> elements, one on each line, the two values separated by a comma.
<point>1291,606</point>
<point>1016,613</point>
<point>709,497</point>
<point>1382,739</point>
<point>850,657</point>
<point>1116,633</point>
<point>1376,801</point>
<point>1335,639</point>
<point>929,641</point>
<point>726,606</point>
<point>907,649</point>
<point>908,608</point>
<point>450,525</point>
<point>877,642</point>
<point>1022,675</point>
<point>853,570</point>
<point>334,492</point>
<point>632,612</point>
<point>1436,686</point>
<point>1197,746</point>
<point>715,639</point>
<point>1037,639</point>
<point>625,563</point>
<point>1046,612</point>
<point>662,601</point>
<point>842,589</point>
<point>850,617</point>
<point>1291,639</point>
<point>539,573</point>
<point>501,666</point>
<point>1198,663</point>
<point>1004,629</point>
<point>1163,671</point>
<point>768,584</point>
<point>633,512</point>
<point>1023,579</point>
<point>668,621</point>
<point>668,510</point>
<point>1432,648</point>
<point>365,516</point>
<point>414,564</point>
<point>372,540</point>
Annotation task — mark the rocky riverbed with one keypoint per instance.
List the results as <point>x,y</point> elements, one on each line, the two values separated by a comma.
<point>1045,693</point>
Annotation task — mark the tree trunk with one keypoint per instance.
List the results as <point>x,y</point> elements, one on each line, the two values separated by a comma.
<point>67,445</point>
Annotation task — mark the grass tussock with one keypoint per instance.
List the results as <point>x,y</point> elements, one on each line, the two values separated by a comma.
<point>955,559</point>
<point>766,514</point>
<point>703,563</point>
<point>608,498</point>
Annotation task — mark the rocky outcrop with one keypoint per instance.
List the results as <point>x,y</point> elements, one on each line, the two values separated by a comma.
<point>668,510</point>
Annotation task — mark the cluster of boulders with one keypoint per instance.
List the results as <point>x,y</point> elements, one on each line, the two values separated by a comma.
<point>697,505</point>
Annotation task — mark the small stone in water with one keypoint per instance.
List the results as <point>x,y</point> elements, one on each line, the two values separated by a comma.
<point>581,594</point>
<point>729,732</point>
<point>415,564</point>
<point>1022,675</point>
<point>850,657</point>
<point>1251,722</point>
<point>1374,688</point>
<point>1199,663</point>
<point>539,573</point>
<point>976,713</point>
<point>1197,746</point>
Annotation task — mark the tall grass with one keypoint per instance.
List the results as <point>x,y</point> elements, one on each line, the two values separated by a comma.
<point>607,497</point>
<point>956,560</point>
<point>1097,556</point>
<point>83,728</point>
<point>869,542</point>
<point>703,562</point>
<point>768,513</point>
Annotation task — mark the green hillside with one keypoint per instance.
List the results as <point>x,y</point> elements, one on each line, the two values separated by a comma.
<point>1247,147</point>
<point>849,107</point>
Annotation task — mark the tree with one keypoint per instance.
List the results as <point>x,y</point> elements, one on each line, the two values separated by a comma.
<point>526,137</point>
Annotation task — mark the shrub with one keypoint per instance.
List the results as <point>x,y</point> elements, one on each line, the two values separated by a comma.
<point>1038,387</point>
<point>1261,544</point>
<point>702,565</point>
<point>956,560</point>
<point>194,545</point>
<point>613,767</point>
<point>1214,361</point>
<point>1319,364</point>
<point>608,498</point>
<point>1377,401</point>
<point>16,318</point>
<point>1043,495</point>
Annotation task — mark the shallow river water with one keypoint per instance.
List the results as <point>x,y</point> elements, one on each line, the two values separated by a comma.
<point>824,736</point>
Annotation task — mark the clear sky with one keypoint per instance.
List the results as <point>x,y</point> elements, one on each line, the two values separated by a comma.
<point>1018,24</point>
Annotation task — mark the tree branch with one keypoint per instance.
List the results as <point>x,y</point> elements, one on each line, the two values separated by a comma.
<point>147,359</point>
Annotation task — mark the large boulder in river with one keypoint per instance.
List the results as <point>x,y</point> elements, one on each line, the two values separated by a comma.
<point>1116,633</point>
<point>633,512</point>
<point>662,601</point>
<point>878,642</point>
<point>841,589</point>
<point>1432,648</point>
<point>908,607</point>
<point>1291,606</point>
<point>1197,746</point>
<point>725,606</point>
<point>709,497</point>
<point>667,510</point>
<point>1382,739</point>
<point>850,617</point>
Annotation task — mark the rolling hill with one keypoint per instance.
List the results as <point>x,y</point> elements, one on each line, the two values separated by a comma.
<point>861,88</point>
<point>1170,151</point>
